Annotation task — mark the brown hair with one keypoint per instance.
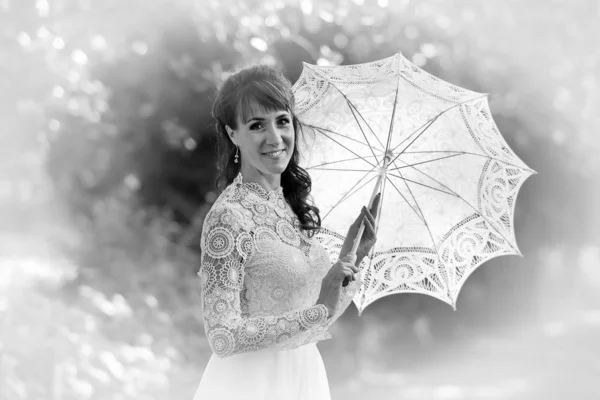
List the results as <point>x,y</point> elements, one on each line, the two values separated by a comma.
<point>272,91</point>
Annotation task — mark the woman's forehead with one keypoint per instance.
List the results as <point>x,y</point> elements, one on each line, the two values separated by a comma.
<point>253,109</point>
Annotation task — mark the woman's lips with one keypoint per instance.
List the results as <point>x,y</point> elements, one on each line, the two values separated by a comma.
<point>274,154</point>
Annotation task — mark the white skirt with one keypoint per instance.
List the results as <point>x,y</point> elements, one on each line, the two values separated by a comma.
<point>297,374</point>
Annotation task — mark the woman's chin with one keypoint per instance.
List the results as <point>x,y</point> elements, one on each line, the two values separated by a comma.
<point>278,169</point>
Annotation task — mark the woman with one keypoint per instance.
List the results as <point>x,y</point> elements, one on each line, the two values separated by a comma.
<point>269,288</point>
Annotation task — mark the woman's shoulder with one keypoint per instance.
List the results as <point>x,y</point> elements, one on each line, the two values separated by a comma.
<point>232,214</point>
<point>225,200</point>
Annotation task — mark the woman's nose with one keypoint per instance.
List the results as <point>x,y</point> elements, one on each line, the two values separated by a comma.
<point>273,134</point>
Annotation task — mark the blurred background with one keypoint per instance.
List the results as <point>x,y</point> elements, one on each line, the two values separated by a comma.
<point>107,168</point>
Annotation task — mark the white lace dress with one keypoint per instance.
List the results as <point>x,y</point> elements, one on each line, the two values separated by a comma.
<point>261,276</point>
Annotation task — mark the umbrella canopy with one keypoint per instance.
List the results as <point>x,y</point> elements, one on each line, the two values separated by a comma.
<point>448,179</point>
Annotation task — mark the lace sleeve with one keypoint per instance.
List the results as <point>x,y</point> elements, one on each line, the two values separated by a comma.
<point>226,245</point>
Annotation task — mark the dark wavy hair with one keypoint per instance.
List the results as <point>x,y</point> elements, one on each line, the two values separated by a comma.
<point>272,91</point>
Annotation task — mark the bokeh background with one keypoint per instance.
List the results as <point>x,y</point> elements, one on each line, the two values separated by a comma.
<point>107,168</point>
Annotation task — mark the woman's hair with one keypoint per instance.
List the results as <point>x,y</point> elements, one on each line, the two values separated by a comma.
<point>272,91</point>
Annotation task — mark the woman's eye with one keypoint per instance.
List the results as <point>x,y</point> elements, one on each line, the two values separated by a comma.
<point>284,121</point>
<point>255,126</point>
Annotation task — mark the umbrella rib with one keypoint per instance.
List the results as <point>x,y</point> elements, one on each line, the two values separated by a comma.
<point>423,127</point>
<point>445,279</point>
<point>404,197</point>
<point>362,158</point>
<point>469,204</point>
<point>339,134</point>
<point>351,106</point>
<point>458,152</point>
<point>428,123</point>
<point>497,159</point>
<point>346,195</point>
<point>363,118</point>
<point>422,184</point>
<point>341,169</point>
<point>433,151</point>
<point>335,162</point>
<point>424,162</point>
<point>389,138</point>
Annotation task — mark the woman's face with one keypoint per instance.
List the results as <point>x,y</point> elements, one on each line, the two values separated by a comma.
<point>263,133</point>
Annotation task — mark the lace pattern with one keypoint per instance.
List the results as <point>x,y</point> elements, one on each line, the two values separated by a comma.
<point>450,189</point>
<point>261,275</point>
<point>315,81</point>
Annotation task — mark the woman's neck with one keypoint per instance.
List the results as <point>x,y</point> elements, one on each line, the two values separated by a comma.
<point>269,182</point>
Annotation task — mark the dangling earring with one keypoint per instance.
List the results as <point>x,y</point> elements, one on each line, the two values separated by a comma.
<point>237,155</point>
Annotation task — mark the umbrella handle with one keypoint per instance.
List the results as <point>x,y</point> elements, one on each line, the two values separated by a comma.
<point>351,259</point>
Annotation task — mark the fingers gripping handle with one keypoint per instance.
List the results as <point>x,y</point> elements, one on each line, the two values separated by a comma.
<point>352,253</point>
<point>361,229</point>
<point>357,239</point>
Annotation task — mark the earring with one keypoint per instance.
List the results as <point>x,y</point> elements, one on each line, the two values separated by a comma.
<point>237,155</point>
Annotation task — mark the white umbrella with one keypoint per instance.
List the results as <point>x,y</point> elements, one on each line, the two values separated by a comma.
<point>448,179</point>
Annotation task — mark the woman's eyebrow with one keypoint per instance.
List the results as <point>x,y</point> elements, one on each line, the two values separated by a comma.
<point>283,115</point>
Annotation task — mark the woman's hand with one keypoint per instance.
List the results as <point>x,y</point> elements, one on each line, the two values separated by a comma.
<point>331,285</point>
<point>369,236</point>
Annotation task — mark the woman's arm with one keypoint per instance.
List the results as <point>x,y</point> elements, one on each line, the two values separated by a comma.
<point>226,246</point>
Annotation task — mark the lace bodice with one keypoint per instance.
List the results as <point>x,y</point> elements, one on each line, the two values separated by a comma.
<point>261,275</point>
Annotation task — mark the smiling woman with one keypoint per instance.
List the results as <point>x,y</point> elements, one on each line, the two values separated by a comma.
<point>269,288</point>
<point>266,142</point>
<point>254,119</point>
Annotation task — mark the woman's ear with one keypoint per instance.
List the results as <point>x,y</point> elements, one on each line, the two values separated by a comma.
<point>230,132</point>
